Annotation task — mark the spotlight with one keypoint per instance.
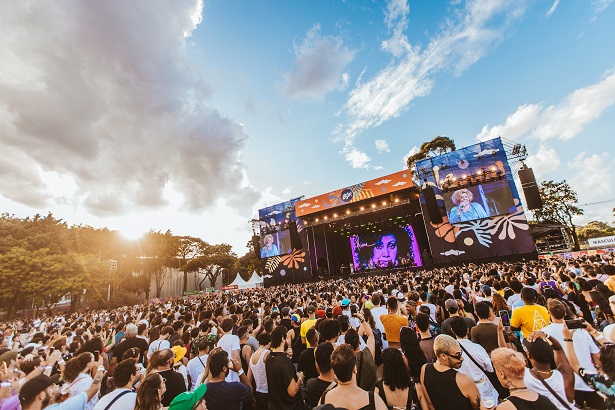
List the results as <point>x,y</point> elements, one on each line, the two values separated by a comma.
<point>492,168</point>
<point>396,200</point>
<point>479,172</point>
<point>335,215</point>
<point>362,208</point>
<point>347,211</point>
<point>373,205</point>
<point>464,176</point>
<point>384,203</point>
<point>317,219</point>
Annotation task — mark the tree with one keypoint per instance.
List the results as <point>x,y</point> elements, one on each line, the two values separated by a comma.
<point>438,146</point>
<point>216,259</point>
<point>189,248</point>
<point>559,206</point>
<point>595,229</point>
<point>159,251</point>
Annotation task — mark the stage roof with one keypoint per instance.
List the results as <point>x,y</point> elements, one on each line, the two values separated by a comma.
<point>370,189</point>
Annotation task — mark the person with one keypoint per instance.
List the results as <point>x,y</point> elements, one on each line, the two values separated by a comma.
<point>230,344</point>
<point>452,307</point>
<point>385,251</point>
<point>326,377</point>
<point>445,387</point>
<point>396,388</point>
<point>307,324</point>
<point>131,340</point>
<point>586,351</point>
<point>36,393</point>
<point>465,209</point>
<point>530,317</point>
<point>196,365</point>
<point>346,394</point>
<point>282,381</point>
<point>162,362</point>
<point>270,248</point>
<point>222,394</point>
<point>125,376</point>
<point>162,342</point>
<point>190,401</point>
<point>426,338</point>
<point>560,380</point>
<point>306,362</point>
<point>150,392</point>
<point>485,333</point>
<point>413,355</point>
<point>392,323</point>
<point>77,376</point>
<point>366,365</point>
<point>509,367</point>
<point>257,371</point>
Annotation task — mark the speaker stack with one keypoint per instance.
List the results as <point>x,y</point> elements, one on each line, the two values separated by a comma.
<point>530,189</point>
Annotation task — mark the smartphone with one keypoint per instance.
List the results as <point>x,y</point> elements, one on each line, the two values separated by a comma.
<point>97,355</point>
<point>503,314</point>
<point>575,324</point>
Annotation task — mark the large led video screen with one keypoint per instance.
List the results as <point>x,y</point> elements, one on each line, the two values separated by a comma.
<point>389,247</point>
<point>479,201</point>
<point>276,243</point>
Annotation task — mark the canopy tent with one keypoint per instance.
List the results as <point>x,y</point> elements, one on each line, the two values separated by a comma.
<point>241,284</point>
<point>255,280</point>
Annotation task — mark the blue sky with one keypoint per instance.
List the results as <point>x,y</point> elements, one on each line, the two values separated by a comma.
<point>189,116</point>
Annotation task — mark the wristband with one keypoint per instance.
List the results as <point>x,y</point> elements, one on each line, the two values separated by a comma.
<point>567,340</point>
<point>240,372</point>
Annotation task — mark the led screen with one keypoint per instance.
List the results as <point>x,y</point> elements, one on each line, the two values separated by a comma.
<point>479,201</point>
<point>390,247</point>
<point>274,244</point>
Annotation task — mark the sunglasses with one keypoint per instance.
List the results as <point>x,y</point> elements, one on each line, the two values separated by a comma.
<point>457,356</point>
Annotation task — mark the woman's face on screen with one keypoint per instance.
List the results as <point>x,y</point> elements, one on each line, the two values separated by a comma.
<point>385,250</point>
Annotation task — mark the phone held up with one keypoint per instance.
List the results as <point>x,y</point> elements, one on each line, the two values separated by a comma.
<point>575,324</point>
<point>503,314</point>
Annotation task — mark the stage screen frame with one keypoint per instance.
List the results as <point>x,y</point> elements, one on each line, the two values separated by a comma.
<point>488,199</point>
<point>281,242</point>
<point>362,246</point>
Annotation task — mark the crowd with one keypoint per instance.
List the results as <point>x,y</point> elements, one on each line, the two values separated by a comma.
<point>513,336</point>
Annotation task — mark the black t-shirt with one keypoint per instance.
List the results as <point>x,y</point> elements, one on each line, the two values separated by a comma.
<point>314,389</point>
<point>225,395</point>
<point>175,385</point>
<point>129,343</point>
<point>286,323</point>
<point>446,325</point>
<point>280,371</point>
<point>307,363</point>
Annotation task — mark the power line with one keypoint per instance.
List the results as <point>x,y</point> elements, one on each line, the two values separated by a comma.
<point>599,202</point>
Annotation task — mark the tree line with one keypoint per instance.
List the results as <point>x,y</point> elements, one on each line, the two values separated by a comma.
<point>42,259</point>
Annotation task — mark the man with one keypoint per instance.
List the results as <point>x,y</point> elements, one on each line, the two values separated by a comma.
<point>392,323</point>
<point>125,376</point>
<point>316,386</point>
<point>531,317</point>
<point>586,350</point>
<point>485,333</point>
<point>444,387</point>
<point>222,394</point>
<point>230,344</point>
<point>378,311</point>
<point>479,354</point>
<point>37,392</point>
<point>452,307</point>
<point>307,363</point>
<point>196,365</point>
<point>432,307</point>
<point>311,311</point>
<point>162,342</point>
<point>426,339</point>
<point>131,340</point>
<point>282,381</point>
<point>514,300</point>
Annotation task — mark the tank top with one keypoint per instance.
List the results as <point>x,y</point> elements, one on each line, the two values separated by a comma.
<point>244,364</point>
<point>260,375</point>
<point>556,382</point>
<point>542,403</point>
<point>443,390</point>
<point>369,406</point>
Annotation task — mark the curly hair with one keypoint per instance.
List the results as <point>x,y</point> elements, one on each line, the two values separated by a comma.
<point>76,365</point>
<point>394,371</point>
<point>455,197</point>
<point>508,361</point>
<point>147,393</point>
<point>91,346</point>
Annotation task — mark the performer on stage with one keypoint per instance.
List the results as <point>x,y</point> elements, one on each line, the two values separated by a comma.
<point>270,248</point>
<point>465,209</point>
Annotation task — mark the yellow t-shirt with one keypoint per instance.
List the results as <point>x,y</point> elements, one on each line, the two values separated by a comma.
<point>530,318</point>
<point>305,326</point>
<point>392,326</point>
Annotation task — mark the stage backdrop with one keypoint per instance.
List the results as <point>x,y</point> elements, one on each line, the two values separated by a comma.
<point>494,224</point>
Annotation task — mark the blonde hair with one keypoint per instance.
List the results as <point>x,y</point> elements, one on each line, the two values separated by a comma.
<point>268,236</point>
<point>457,194</point>
<point>510,362</point>
<point>444,344</point>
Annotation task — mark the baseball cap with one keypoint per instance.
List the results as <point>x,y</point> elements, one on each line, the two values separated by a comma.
<point>336,311</point>
<point>346,302</point>
<point>295,318</point>
<point>320,313</point>
<point>451,303</point>
<point>401,297</point>
<point>33,387</point>
<point>311,309</point>
<point>186,401</point>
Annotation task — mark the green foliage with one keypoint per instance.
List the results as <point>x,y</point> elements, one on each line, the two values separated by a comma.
<point>215,260</point>
<point>438,146</point>
<point>595,229</point>
<point>559,206</point>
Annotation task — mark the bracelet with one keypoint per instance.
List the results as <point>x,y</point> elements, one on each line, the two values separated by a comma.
<point>101,368</point>
<point>567,340</point>
<point>240,372</point>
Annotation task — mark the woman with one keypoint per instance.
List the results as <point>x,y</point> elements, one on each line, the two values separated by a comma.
<point>270,248</point>
<point>150,392</point>
<point>346,393</point>
<point>77,376</point>
<point>509,367</point>
<point>413,357</point>
<point>385,251</point>
<point>465,209</point>
<point>396,388</point>
<point>162,362</point>
<point>499,303</point>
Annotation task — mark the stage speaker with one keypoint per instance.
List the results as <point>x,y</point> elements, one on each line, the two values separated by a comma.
<point>295,240</point>
<point>256,243</point>
<point>530,189</point>
<point>431,203</point>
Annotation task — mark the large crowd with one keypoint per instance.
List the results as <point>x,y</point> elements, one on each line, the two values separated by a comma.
<point>537,334</point>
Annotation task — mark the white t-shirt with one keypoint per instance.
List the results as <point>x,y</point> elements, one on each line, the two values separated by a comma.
<point>432,309</point>
<point>376,312</point>
<point>157,345</point>
<point>127,401</point>
<point>556,382</point>
<point>468,367</point>
<point>228,343</point>
<point>195,368</point>
<point>584,347</point>
<point>80,385</point>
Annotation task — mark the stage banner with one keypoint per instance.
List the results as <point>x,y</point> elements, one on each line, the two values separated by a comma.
<point>482,215</point>
<point>354,193</point>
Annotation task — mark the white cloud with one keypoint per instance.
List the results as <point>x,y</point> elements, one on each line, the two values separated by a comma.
<point>594,179</point>
<point>465,39</point>
<point>307,182</point>
<point>358,159</point>
<point>287,190</point>
<point>413,150</point>
<point>601,5</point>
<point>544,160</point>
<point>553,7</point>
<point>318,68</point>
<point>396,19</point>
<point>562,121</point>
<point>382,146</point>
<point>121,113</point>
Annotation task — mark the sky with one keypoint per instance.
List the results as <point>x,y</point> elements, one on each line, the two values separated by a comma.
<point>190,115</point>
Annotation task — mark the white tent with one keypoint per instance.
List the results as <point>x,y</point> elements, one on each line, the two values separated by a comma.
<point>256,281</point>
<point>241,284</point>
